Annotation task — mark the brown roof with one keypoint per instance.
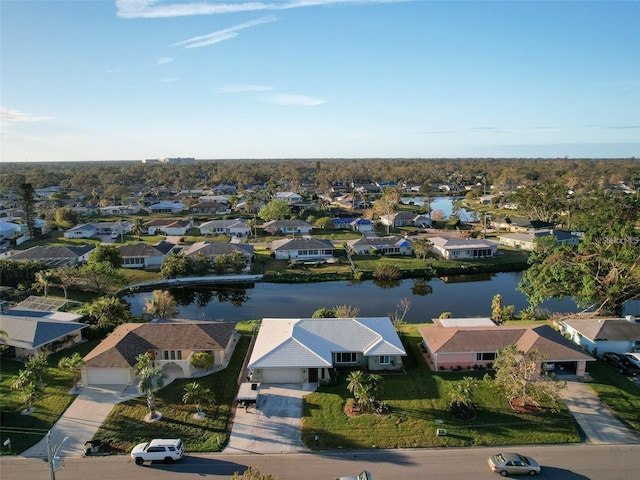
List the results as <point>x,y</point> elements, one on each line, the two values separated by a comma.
<point>482,339</point>
<point>119,350</point>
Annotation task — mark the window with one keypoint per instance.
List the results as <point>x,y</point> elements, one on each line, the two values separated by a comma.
<point>485,356</point>
<point>384,360</point>
<point>346,357</point>
<point>173,354</point>
<point>165,354</point>
<point>179,354</point>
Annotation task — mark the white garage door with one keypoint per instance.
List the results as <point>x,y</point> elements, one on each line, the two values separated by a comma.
<point>281,375</point>
<point>107,376</point>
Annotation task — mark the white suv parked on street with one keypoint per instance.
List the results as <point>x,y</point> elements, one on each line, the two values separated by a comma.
<point>166,450</point>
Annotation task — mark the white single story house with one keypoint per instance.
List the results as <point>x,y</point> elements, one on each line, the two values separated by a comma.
<point>392,245</point>
<point>234,227</point>
<point>283,227</point>
<point>306,350</point>
<point>30,332</point>
<point>110,210</point>
<point>168,227</point>
<point>156,208</point>
<point>302,249</point>
<point>211,250</point>
<point>599,335</point>
<point>172,345</point>
<point>476,347</point>
<point>289,197</point>
<point>463,249</point>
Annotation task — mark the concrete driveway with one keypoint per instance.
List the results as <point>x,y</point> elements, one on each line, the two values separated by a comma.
<point>273,427</point>
<point>598,423</point>
<point>82,419</point>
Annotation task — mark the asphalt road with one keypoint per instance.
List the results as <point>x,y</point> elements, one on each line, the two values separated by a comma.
<point>571,462</point>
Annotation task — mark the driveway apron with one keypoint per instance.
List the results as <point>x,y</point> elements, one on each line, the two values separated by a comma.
<point>273,427</point>
<point>598,423</point>
<point>82,419</point>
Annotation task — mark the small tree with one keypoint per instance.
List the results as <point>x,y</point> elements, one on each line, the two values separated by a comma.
<point>346,311</point>
<point>461,395</point>
<point>519,377</point>
<point>422,248</point>
<point>324,313</point>
<point>73,363</point>
<point>496,308</point>
<point>108,312</point>
<point>253,473</point>
<point>275,210</point>
<point>197,394</point>
<point>44,278</point>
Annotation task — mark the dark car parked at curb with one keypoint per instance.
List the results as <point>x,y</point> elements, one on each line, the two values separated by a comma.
<point>620,362</point>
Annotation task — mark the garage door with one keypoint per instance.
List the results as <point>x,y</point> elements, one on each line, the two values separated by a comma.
<point>281,375</point>
<point>107,376</point>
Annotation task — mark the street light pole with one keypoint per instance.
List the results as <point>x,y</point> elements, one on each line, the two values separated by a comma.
<point>52,455</point>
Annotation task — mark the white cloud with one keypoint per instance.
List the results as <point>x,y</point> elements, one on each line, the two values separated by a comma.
<point>170,80</point>
<point>294,100</point>
<point>158,9</point>
<point>18,116</point>
<point>221,35</point>
<point>165,60</point>
<point>245,88</point>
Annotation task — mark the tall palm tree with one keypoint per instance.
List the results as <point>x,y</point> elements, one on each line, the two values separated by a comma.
<point>356,382</point>
<point>137,226</point>
<point>151,380</point>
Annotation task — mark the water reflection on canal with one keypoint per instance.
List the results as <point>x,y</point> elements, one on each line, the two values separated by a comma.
<point>463,296</point>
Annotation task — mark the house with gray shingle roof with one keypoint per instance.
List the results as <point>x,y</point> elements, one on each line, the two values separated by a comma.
<point>463,249</point>
<point>307,350</point>
<point>168,227</point>
<point>302,249</point>
<point>599,335</point>
<point>472,347</point>
<point>235,227</point>
<point>55,256</point>
<point>30,332</point>
<point>211,250</point>
<point>142,255</point>
<point>172,345</point>
<point>392,245</point>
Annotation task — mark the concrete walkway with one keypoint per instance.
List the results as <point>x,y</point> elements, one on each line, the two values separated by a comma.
<point>82,419</point>
<point>598,423</point>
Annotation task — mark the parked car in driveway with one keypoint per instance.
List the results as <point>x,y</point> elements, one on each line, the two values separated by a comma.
<point>619,361</point>
<point>165,450</point>
<point>513,463</point>
<point>633,358</point>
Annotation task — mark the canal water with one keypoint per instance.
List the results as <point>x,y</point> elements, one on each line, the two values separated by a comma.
<point>463,296</point>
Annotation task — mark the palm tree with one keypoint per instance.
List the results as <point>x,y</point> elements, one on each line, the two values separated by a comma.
<point>39,366</point>
<point>3,335</point>
<point>44,278</point>
<point>151,380</point>
<point>197,394</point>
<point>137,226</point>
<point>356,384</point>
<point>73,363</point>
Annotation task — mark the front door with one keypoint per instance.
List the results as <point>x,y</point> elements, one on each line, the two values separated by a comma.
<point>313,375</point>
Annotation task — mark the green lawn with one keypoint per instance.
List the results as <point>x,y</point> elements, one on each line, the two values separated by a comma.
<point>419,405</point>
<point>27,430</point>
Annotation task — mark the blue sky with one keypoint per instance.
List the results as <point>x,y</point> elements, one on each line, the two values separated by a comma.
<point>134,79</point>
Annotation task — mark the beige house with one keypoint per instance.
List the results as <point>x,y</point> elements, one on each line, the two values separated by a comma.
<point>172,345</point>
<point>475,347</point>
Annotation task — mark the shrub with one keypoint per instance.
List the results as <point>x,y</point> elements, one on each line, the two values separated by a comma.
<point>387,272</point>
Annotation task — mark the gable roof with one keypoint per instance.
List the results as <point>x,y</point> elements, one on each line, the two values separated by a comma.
<point>231,222</point>
<point>53,255</point>
<point>120,348</point>
<point>380,242</point>
<point>612,329</point>
<point>286,223</point>
<point>301,244</point>
<point>480,339</point>
<point>448,243</point>
<point>170,223</point>
<point>144,250</point>
<point>310,342</point>
<point>30,332</point>
<point>216,248</point>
